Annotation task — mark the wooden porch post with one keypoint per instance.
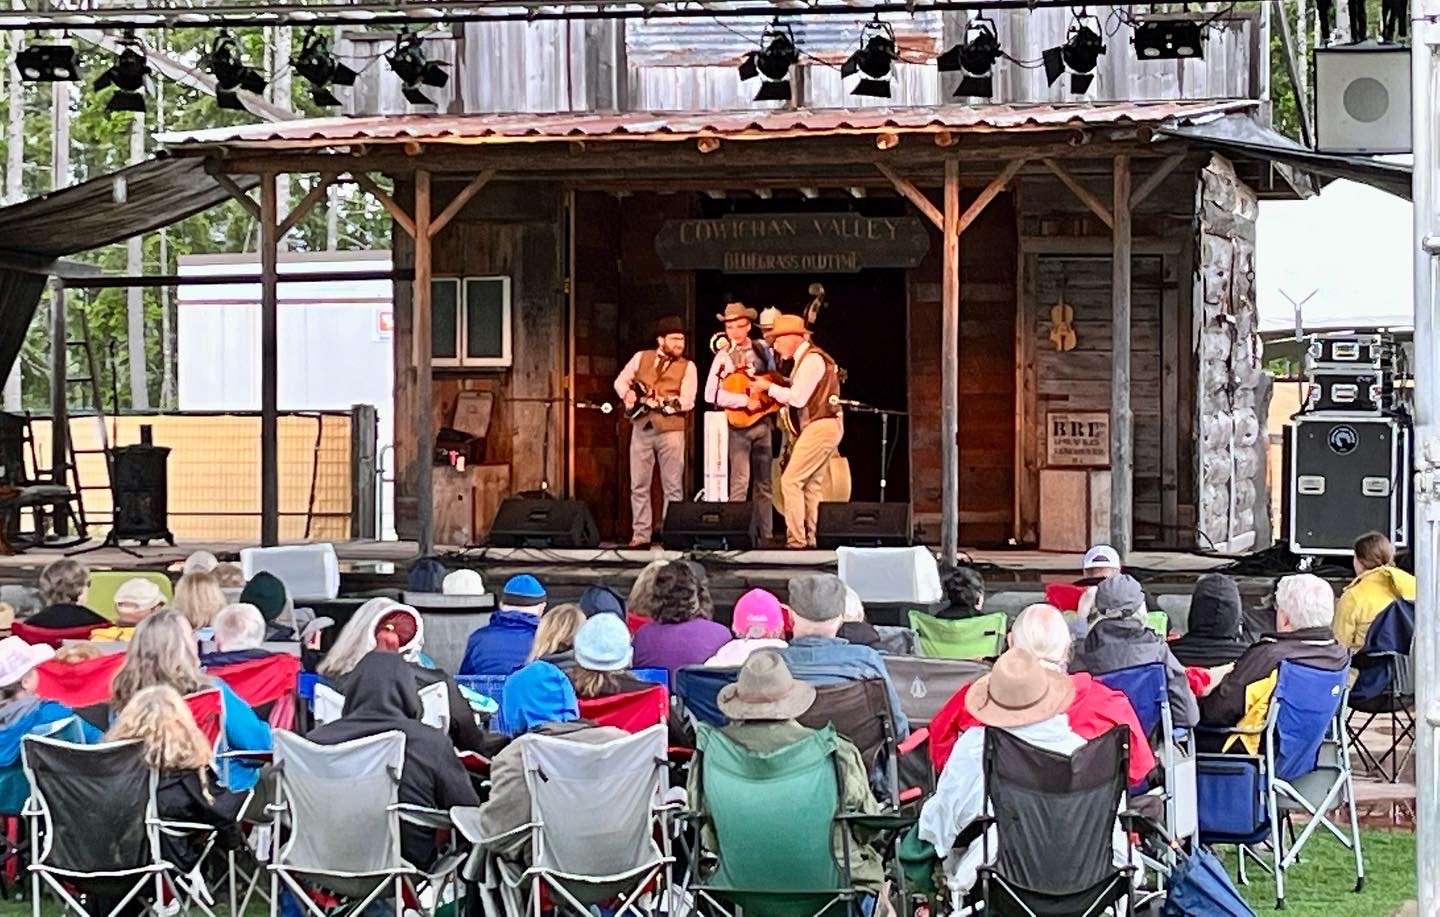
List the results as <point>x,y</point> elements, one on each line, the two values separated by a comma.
<point>1122,421</point>
<point>950,372</point>
<point>59,404</point>
<point>421,335</point>
<point>269,359</point>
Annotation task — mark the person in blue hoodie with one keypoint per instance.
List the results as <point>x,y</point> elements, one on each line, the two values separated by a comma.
<point>22,711</point>
<point>503,645</point>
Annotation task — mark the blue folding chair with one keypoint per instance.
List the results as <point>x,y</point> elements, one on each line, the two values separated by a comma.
<point>699,691</point>
<point>493,687</point>
<point>654,676</point>
<point>1303,766</point>
<point>1147,688</point>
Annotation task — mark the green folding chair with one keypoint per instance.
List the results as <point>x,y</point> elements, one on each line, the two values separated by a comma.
<point>981,637</point>
<point>1159,622</point>
<point>100,596</point>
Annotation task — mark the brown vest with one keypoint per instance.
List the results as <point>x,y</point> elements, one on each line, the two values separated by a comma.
<point>665,385</point>
<point>820,404</point>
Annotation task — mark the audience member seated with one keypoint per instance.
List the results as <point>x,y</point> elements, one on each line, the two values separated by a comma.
<point>426,574</point>
<point>1378,583</point>
<point>1119,638</point>
<point>640,603</point>
<point>758,623</point>
<point>603,657</point>
<point>384,696</point>
<point>62,594</point>
<point>1101,562</point>
<point>80,651</point>
<point>163,652</point>
<point>22,712</point>
<point>763,707</point>
<point>268,594</point>
<point>1215,635</point>
<point>555,637</point>
<point>539,700</point>
<point>1027,700</point>
<point>597,600</point>
<point>1304,613</point>
<point>1096,709</point>
<point>230,576</point>
<point>965,591</point>
<point>854,628</point>
<point>681,632</point>
<point>199,598</point>
<point>135,600</point>
<point>239,633</point>
<point>817,654</point>
<point>503,645</point>
<point>386,624</point>
<point>188,790</point>
<point>200,562</point>
<point>463,582</point>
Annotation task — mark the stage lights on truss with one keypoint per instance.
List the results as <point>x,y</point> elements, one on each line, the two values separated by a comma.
<point>226,62</point>
<point>1169,38</point>
<point>415,70</point>
<point>1078,56</point>
<point>974,58</point>
<point>317,66</point>
<point>128,76</point>
<point>872,60</point>
<point>773,61</point>
<point>47,63</point>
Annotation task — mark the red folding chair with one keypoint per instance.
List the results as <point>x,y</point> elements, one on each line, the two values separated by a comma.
<point>271,680</point>
<point>208,709</point>
<point>633,711</point>
<point>1064,596</point>
<point>78,684</point>
<point>52,636</point>
<point>634,622</point>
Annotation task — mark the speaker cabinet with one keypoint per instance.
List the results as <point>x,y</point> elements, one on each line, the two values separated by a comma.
<point>542,522</point>
<point>141,486</point>
<point>709,527</point>
<point>868,525</point>
<point>1362,99</point>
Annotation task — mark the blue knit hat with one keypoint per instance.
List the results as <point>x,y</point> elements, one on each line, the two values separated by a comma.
<point>538,694</point>
<point>601,600</point>
<point>523,591</point>
<point>603,645</point>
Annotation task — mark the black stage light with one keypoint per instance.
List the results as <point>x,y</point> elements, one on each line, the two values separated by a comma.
<point>226,62</point>
<point>773,61</point>
<point>414,69</point>
<point>1078,56</point>
<point>47,64</point>
<point>1169,39</point>
<point>318,67</point>
<point>127,76</point>
<point>872,60</point>
<point>974,58</point>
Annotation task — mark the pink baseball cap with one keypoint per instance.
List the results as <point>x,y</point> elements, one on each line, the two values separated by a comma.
<point>758,612</point>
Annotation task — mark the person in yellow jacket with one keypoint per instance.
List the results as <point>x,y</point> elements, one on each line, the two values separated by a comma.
<point>1377,583</point>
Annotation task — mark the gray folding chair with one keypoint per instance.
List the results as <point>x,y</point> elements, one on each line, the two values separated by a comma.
<point>339,807</point>
<point>925,683</point>
<point>598,827</point>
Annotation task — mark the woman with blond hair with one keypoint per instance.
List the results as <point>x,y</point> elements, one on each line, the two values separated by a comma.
<point>199,598</point>
<point>177,751</point>
<point>555,637</point>
<point>163,652</point>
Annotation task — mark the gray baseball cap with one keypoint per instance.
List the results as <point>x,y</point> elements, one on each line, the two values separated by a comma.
<point>1118,596</point>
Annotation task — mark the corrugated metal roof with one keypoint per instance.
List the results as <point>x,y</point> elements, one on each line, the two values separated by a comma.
<point>752,125</point>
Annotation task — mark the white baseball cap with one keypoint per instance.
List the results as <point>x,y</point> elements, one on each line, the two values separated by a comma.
<point>17,658</point>
<point>463,582</point>
<point>1102,555</point>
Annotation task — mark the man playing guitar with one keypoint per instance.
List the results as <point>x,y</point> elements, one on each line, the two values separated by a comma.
<point>658,389</point>
<point>812,396</point>
<point>737,361</point>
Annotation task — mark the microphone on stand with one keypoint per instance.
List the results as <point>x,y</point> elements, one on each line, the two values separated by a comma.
<point>604,407</point>
<point>719,342</point>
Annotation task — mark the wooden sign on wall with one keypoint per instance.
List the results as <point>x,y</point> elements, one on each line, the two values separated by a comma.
<point>792,243</point>
<point>1077,439</point>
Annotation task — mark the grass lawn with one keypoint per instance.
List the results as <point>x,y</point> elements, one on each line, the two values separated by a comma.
<point>1324,882</point>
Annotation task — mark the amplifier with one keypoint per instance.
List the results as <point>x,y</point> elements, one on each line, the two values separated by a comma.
<point>1347,474</point>
<point>1350,390</point>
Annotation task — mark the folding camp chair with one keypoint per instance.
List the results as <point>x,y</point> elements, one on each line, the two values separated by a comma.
<point>329,705</point>
<point>100,594</point>
<point>654,676</point>
<point>50,636</point>
<point>981,637</point>
<point>78,684</point>
<point>925,684</point>
<point>1385,686</point>
<point>766,823</point>
<point>15,793</point>
<point>93,824</point>
<point>598,829</point>
<point>1159,622</point>
<point>267,684</point>
<point>1146,687</point>
<point>338,809</point>
<point>1064,596</point>
<point>633,711</point>
<point>1027,788</point>
<point>860,711</point>
<point>493,687</point>
<point>699,687</point>
<point>1303,765</point>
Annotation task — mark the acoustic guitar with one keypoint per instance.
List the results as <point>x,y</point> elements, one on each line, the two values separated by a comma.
<point>743,418</point>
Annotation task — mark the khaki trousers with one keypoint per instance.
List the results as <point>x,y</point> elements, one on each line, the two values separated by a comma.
<point>648,448</point>
<point>804,479</point>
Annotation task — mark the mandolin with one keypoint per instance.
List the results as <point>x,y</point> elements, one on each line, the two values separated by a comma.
<point>738,383</point>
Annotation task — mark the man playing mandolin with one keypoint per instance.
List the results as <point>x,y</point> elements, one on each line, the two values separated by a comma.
<point>739,360</point>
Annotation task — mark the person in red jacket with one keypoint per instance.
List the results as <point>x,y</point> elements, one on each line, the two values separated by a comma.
<point>1042,630</point>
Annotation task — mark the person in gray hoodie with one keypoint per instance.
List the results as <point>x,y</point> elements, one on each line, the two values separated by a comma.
<point>1119,639</point>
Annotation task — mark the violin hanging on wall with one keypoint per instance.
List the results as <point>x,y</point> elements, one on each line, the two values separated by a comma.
<point>1062,327</point>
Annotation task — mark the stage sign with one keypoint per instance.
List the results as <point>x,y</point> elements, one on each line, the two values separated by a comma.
<point>792,243</point>
<point>1077,439</point>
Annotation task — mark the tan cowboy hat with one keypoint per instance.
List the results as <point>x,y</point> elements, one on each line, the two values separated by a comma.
<point>1019,691</point>
<point>768,316</point>
<point>737,310</point>
<point>787,324</point>
<point>765,690</point>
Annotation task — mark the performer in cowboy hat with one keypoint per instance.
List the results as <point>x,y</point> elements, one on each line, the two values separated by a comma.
<point>751,447</point>
<point>658,436</point>
<point>812,398</point>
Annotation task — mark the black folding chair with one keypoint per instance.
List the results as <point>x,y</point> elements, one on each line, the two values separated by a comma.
<point>1385,687</point>
<point>860,712</point>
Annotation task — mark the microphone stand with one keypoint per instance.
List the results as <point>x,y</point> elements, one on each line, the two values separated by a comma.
<point>885,414</point>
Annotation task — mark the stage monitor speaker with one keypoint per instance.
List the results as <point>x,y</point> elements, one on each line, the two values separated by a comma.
<point>1347,474</point>
<point>709,527</point>
<point>543,522</point>
<point>141,492</point>
<point>1362,99</point>
<point>868,525</point>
